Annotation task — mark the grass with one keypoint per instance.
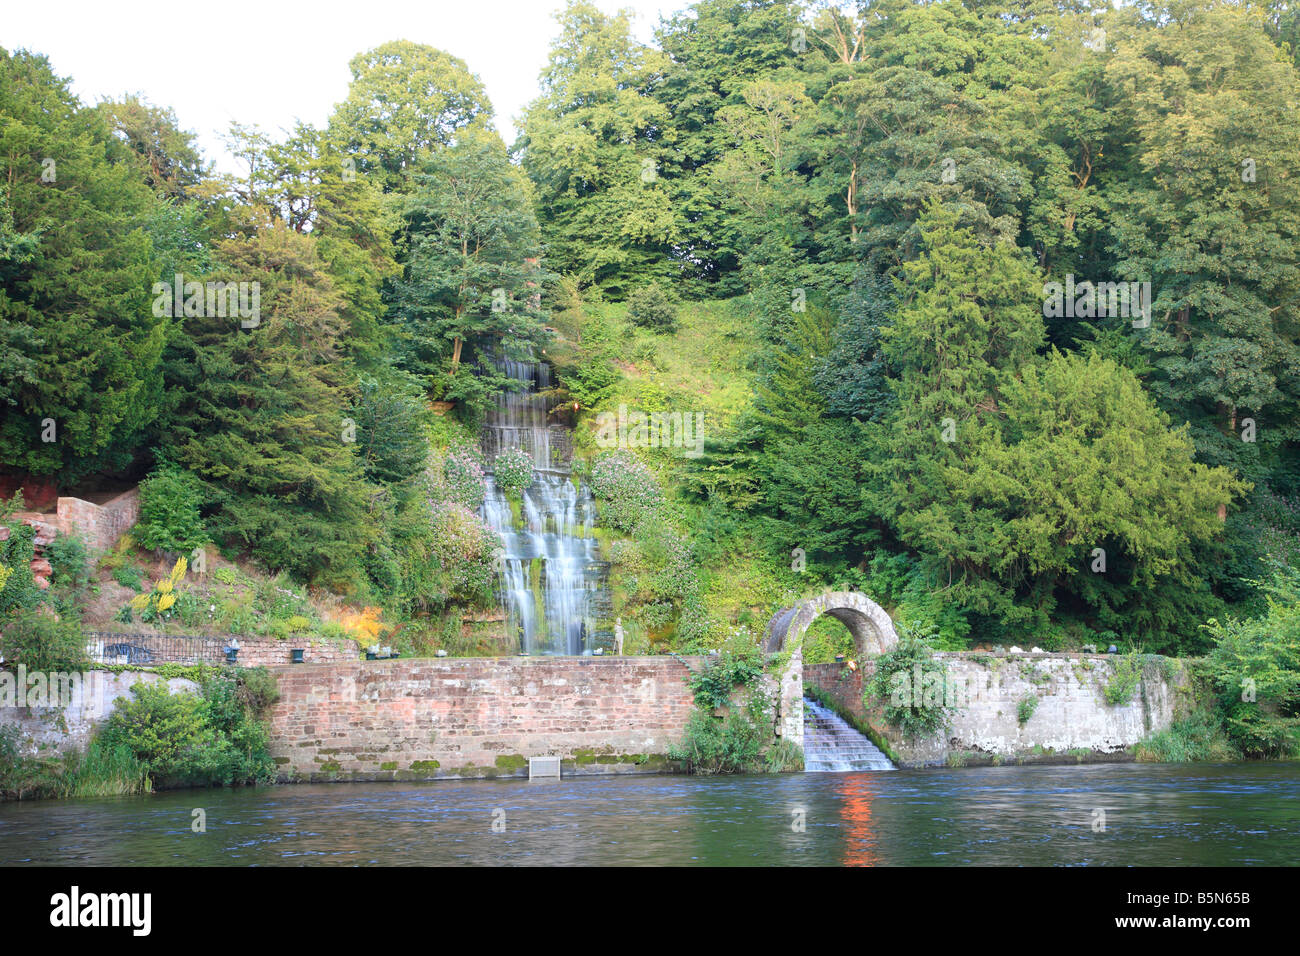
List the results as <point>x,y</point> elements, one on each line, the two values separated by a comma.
<point>98,772</point>
<point>1197,738</point>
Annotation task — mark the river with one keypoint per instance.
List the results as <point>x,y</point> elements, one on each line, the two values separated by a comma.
<point>1156,815</point>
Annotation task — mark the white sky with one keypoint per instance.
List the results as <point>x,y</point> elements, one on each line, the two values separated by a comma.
<point>270,62</point>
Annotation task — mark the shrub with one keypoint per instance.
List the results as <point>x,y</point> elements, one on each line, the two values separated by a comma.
<point>169,511</point>
<point>68,561</point>
<point>462,478</point>
<point>1026,708</point>
<point>41,641</point>
<point>1198,737</point>
<point>161,604</point>
<point>918,711</point>
<point>187,739</point>
<point>625,488</point>
<point>738,665</point>
<point>18,590</point>
<point>129,576</point>
<point>1123,682</point>
<point>513,470</point>
<point>466,549</point>
<point>733,744</point>
<point>1255,668</point>
<point>651,308</point>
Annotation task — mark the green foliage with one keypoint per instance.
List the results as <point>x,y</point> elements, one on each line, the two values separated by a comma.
<point>42,641</point>
<point>69,561</point>
<point>79,345</point>
<point>1026,708</point>
<point>18,591</point>
<point>1123,682</point>
<point>473,274</point>
<point>465,549</point>
<point>912,686</point>
<point>187,740</point>
<point>626,489</point>
<point>129,576</point>
<point>405,100</point>
<point>390,430</point>
<point>593,143</point>
<point>1199,737</point>
<point>260,420</point>
<point>736,668</point>
<point>101,771</point>
<point>734,744</point>
<point>170,499</point>
<point>513,470</point>
<point>1255,669</point>
<point>651,308</point>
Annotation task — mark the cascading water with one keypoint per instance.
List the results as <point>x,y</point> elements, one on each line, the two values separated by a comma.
<point>831,744</point>
<point>552,579</point>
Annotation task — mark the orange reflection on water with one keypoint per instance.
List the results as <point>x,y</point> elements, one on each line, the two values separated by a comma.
<point>856,791</point>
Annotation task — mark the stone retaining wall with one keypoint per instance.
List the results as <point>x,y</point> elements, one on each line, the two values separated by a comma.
<point>424,719</point>
<point>1071,719</point>
<point>92,699</point>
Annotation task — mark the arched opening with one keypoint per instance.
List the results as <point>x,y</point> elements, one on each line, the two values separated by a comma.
<point>867,623</point>
<point>826,638</point>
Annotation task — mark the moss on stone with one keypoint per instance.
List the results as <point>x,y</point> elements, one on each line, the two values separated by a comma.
<point>425,766</point>
<point>388,765</point>
<point>511,761</point>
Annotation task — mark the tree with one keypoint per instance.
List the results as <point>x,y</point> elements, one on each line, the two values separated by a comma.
<point>1007,469</point>
<point>308,183</point>
<point>261,418</point>
<point>76,329</point>
<point>594,144</point>
<point>169,160</point>
<point>1209,214</point>
<point>473,272</point>
<point>715,50</point>
<point>405,100</point>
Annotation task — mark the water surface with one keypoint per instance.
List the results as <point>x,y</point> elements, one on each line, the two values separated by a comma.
<point>1227,814</point>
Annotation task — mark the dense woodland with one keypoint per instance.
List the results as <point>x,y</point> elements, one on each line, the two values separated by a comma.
<point>829,226</point>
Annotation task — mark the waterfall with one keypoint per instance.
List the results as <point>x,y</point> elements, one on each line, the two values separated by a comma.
<point>830,743</point>
<point>552,579</point>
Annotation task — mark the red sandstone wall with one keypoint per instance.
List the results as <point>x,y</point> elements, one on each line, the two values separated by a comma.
<point>101,525</point>
<point>841,684</point>
<point>424,719</point>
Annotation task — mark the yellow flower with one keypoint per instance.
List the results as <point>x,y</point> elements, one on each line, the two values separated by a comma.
<point>178,571</point>
<point>164,586</point>
<point>166,601</point>
<point>139,602</point>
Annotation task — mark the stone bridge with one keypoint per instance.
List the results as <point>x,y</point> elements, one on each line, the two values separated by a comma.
<point>872,630</point>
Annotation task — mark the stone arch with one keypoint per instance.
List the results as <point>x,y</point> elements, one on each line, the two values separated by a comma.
<point>872,630</point>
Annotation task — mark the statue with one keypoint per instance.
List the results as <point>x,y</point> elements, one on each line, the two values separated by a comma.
<point>618,636</point>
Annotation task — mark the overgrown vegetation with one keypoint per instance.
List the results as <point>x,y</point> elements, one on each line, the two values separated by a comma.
<point>741,740</point>
<point>157,739</point>
<point>912,686</point>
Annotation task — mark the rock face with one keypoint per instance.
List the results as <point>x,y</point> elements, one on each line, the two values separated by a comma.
<point>45,533</point>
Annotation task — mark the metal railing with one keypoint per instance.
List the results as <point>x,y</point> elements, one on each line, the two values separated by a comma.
<point>109,647</point>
